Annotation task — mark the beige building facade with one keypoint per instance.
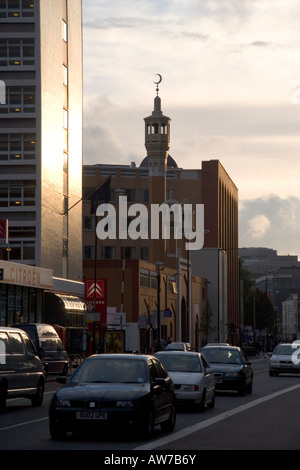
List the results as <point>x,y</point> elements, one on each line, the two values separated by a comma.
<point>41,133</point>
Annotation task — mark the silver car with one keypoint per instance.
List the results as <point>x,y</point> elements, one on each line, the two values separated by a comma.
<point>192,377</point>
<point>285,359</point>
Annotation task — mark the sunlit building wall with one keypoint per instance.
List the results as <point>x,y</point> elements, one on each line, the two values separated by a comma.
<point>41,133</point>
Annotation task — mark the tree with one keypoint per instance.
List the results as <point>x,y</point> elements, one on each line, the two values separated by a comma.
<point>205,321</point>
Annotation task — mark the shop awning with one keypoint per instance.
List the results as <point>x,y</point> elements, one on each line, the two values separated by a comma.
<point>72,303</point>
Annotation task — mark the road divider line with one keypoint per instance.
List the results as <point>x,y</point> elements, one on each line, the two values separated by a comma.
<point>209,422</point>
<point>23,424</point>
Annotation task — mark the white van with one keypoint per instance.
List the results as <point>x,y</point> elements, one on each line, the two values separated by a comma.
<point>21,370</point>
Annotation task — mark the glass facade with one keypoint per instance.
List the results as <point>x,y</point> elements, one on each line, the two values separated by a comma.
<point>20,304</point>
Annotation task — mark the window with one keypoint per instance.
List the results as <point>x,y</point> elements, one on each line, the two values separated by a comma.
<point>65,31</point>
<point>19,99</point>
<point>128,252</point>
<point>65,75</point>
<point>144,277</point>
<point>29,345</point>
<point>172,286</point>
<point>16,8</point>
<point>155,127</point>
<point>88,223</point>
<point>4,347</point>
<point>153,284</point>
<point>17,344</point>
<point>145,252</point>
<point>66,163</point>
<point>88,252</point>
<point>22,232</point>
<point>108,252</point>
<point>16,52</point>
<point>65,119</point>
<point>130,194</point>
<point>145,195</point>
<point>17,193</point>
<point>28,251</point>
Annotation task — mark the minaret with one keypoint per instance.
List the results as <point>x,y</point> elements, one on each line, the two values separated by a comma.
<point>157,143</point>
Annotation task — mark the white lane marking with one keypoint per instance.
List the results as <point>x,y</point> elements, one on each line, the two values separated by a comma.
<point>204,424</point>
<point>23,424</point>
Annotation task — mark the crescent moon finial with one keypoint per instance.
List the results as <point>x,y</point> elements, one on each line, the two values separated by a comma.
<point>158,82</point>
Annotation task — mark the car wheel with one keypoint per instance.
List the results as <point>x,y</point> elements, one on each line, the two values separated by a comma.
<point>37,399</point>
<point>147,427</point>
<point>242,389</point>
<point>201,406</point>
<point>57,430</point>
<point>211,404</point>
<point>249,387</point>
<point>169,425</point>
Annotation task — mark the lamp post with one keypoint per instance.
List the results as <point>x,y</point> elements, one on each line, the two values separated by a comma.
<point>159,266</point>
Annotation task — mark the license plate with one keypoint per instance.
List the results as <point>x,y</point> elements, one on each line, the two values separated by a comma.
<point>218,381</point>
<point>91,415</point>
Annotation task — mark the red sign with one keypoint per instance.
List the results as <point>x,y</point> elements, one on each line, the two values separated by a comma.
<point>96,298</point>
<point>4,231</point>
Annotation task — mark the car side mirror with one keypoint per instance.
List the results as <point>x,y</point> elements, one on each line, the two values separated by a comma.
<point>159,381</point>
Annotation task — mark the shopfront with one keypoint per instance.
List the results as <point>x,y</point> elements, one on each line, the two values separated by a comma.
<point>21,292</point>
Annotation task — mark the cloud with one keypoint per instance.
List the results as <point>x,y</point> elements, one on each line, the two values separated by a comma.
<point>270,221</point>
<point>258,226</point>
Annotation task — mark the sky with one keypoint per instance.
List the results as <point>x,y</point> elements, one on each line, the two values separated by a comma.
<point>230,83</point>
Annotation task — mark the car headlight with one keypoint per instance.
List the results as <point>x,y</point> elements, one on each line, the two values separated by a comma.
<point>274,359</point>
<point>63,403</point>
<point>190,388</point>
<point>124,404</point>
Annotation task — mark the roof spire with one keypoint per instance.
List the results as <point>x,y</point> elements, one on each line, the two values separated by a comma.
<point>157,82</point>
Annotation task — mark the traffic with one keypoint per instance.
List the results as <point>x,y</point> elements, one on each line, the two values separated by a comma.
<point>143,396</point>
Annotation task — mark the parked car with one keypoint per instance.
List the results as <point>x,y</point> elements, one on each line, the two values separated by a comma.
<point>49,347</point>
<point>231,368</point>
<point>285,359</point>
<point>21,371</point>
<point>111,389</point>
<point>178,346</point>
<point>192,377</point>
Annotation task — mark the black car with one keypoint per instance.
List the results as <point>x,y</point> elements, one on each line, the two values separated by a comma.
<point>114,389</point>
<point>21,371</point>
<point>231,368</point>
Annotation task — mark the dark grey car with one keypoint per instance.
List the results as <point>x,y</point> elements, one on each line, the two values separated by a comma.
<point>21,371</point>
<point>231,368</point>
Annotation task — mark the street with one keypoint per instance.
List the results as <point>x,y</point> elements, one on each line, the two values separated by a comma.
<point>267,419</point>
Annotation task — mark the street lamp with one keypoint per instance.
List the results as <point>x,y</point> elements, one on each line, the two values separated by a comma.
<point>159,265</point>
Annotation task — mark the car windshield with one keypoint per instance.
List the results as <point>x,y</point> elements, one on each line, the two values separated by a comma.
<point>285,349</point>
<point>180,363</point>
<point>112,370</point>
<point>222,356</point>
<point>176,346</point>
